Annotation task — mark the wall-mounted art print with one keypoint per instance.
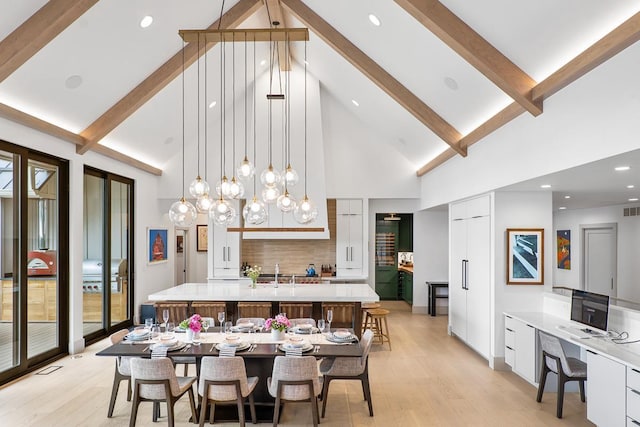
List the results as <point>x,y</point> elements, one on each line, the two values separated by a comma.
<point>525,256</point>
<point>157,244</point>
<point>202,238</point>
<point>564,249</point>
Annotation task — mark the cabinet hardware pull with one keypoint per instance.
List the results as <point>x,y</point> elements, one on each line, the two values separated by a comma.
<point>635,391</point>
<point>508,317</point>
<point>635,370</point>
<point>508,347</point>
<point>592,352</point>
<point>346,253</point>
<point>510,330</point>
<point>634,422</point>
<point>531,326</point>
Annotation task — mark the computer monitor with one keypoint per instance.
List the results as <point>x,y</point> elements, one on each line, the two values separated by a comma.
<point>590,309</point>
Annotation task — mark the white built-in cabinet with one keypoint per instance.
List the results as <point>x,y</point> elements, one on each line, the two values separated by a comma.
<point>520,348</point>
<point>470,273</point>
<point>349,237</point>
<point>224,251</point>
<point>606,391</point>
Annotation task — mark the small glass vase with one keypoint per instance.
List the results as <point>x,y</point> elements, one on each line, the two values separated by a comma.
<point>192,335</point>
<point>253,283</point>
<point>277,335</point>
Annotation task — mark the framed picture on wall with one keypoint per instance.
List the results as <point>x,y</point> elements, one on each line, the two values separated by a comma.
<point>564,249</point>
<point>525,256</point>
<point>179,244</point>
<point>202,238</point>
<point>157,245</point>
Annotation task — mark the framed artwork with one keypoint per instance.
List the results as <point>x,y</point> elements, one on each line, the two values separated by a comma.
<point>179,244</point>
<point>157,244</point>
<point>563,239</point>
<point>202,238</point>
<point>525,256</point>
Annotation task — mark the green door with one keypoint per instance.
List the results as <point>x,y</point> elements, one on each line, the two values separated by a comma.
<point>386,259</point>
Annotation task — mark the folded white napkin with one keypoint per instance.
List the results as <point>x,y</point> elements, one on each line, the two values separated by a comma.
<point>227,352</point>
<point>159,351</point>
<point>294,352</point>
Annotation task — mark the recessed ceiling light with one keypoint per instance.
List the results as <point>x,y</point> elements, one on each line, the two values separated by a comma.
<point>633,199</point>
<point>622,168</point>
<point>264,61</point>
<point>562,208</point>
<point>356,103</point>
<point>451,83</point>
<point>631,186</point>
<point>73,82</point>
<point>374,19</point>
<point>545,186</point>
<point>567,197</point>
<point>146,21</point>
<point>213,104</point>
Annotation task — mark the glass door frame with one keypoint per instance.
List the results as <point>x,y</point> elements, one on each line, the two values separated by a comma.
<point>107,327</point>
<point>20,298</point>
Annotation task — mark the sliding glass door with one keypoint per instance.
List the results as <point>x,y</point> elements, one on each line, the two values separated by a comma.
<point>108,247</point>
<point>33,259</point>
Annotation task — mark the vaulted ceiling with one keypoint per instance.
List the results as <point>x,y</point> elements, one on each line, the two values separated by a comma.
<point>433,78</point>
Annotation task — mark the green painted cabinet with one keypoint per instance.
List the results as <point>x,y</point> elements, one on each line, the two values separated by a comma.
<point>407,287</point>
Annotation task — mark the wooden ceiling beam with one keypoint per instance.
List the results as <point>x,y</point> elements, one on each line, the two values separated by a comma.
<point>478,52</point>
<point>159,79</point>
<point>604,49</point>
<point>376,73</point>
<point>45,127</point>
<point>37,31</point>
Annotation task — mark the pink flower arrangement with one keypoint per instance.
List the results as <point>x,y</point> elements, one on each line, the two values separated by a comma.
<point>280,323</point>
<point>194,323</point>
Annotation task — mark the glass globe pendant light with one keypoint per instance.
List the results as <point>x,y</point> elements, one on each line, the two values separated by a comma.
<point>221,212</point>
<point>198,187</point>
<point>204,202</point>
<point>236,189</point>
<point>246,170</point>
<point>286,203</point>
<point>270,177</point>
<point>255,212</point>
<point>182,213</point>
<point>270,194</point>
<point>291,177</point>
<point>223,187</point>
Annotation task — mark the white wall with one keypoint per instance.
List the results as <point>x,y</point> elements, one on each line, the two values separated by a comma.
<point>518,210</point>
<point>593,118</point>
<point>430,254</point>
<point>147,278</point>
<point>628,249</point>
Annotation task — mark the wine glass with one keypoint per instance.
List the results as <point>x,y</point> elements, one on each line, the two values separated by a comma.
<point>321,325</point>
<point>148,323</point>
<point>221,318</point>
<point>227,327</point>
<point>165,317</point>
<point>260,325</point>
<point>206,323</point>
<point>329,318</point>
<point>170,328</point>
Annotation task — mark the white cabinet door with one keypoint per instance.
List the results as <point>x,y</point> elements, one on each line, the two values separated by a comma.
<point>226,253</point>
<point>343,241</point>
<point>478,281</point>
<point>349,237</point>
<point>525,351</point>
<point>355,241</point>
<point>606,391</point>
<point>457,293</point>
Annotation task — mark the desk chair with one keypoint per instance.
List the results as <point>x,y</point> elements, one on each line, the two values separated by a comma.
<point>224,380</point>
<point>295,379</point>
<point>567,368</point>
<point>155,380</point>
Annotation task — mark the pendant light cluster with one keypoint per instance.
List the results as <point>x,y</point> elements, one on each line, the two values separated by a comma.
<point>275,183</point>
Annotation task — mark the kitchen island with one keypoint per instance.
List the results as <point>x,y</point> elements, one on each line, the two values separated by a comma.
<point>317,297</point>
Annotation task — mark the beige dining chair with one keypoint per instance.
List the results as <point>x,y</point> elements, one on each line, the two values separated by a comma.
<point>567,368</point>
<point>295,379</point>
<point>121,373</point>
<point>155,380</point>
<point>349,368</point>
<point>223,380</point>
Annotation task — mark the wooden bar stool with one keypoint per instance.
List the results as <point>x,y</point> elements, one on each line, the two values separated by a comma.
<point>377,321</point>
<point>364,307</point>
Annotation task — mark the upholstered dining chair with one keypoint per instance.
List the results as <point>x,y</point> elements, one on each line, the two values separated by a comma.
<point>295,379</point>
<point>224,380</point>
<point>122,371</point>
<point>155,380</point>
<point>567,368</point>
<point>349,368</point>
<point>303,321</point>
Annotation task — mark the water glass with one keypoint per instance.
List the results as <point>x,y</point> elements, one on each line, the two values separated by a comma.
<point>148,323</point>
<point>155,333</point>
<point>321,325</point>
<point>207,322</point>
<point>221,318</point>
<point>227,327</point>
<point>170,328</point>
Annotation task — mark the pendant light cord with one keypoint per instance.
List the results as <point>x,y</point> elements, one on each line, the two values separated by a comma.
<point>198,109</point>
<point>206,108</point>
<point>305,119</point>
<point>254,114</point>
<point>183,118</point>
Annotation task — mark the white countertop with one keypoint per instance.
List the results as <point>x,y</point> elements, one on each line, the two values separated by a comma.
<point>628,354</point>
<point>240,291</point>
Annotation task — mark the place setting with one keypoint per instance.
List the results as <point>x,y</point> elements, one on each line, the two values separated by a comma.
<point>341,336</point>
<point>231,344</point>
<point>304,328</point>
<point>295,346</point>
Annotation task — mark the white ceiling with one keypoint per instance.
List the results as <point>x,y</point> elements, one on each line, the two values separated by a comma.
<point>111,53</point>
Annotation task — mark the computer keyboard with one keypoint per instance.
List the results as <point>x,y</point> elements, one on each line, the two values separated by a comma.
<point>574,332</point>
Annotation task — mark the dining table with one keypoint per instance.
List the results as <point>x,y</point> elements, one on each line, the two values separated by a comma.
<point>258,356</point>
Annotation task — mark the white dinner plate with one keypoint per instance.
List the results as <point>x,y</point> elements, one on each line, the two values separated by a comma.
<point>242,346</point>
<point>177,346</point>
<point>285,347</point>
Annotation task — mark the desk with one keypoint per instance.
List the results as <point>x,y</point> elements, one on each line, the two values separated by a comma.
<point>613,370</point>
<point>258,363</point>
<point>433,295</point>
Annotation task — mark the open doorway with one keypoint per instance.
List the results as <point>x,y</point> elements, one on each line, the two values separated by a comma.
<point>394,256</point>
<point>182,245</point>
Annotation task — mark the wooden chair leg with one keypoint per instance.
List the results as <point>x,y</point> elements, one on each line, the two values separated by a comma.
<point>276,411</point>
<point>203,406</point>
<point>129,389</point>
<point>170,416</point>
<point>561,381</point>
<point>543,379</point>
<point>192,403</point>
<point>156,411</point>
<point>581,383</point>
<point>367,390</point>
<point>325,393</point>
<point>240,403</point>
<point>134,407</point>
<point>314,409</point>
<point>386,331</point>
<point>252,407</point>
<point>114,391</point>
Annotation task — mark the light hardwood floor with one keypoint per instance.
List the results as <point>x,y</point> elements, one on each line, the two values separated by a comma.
<point>429,379</point>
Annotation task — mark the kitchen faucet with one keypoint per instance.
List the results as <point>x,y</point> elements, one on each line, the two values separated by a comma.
<point>277,272</point>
